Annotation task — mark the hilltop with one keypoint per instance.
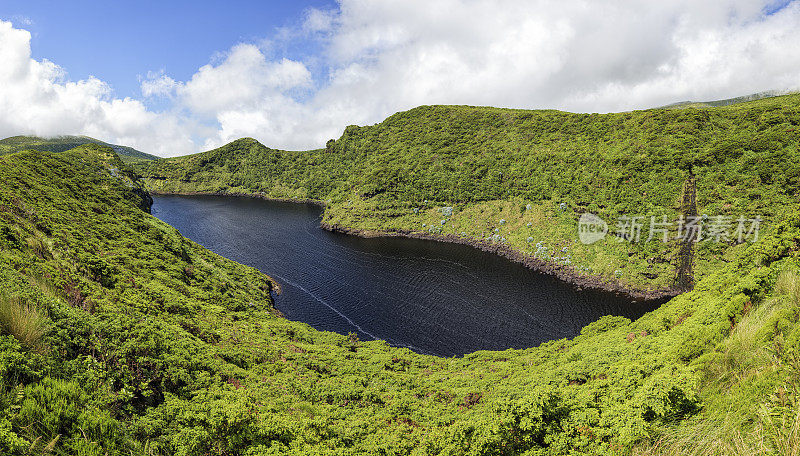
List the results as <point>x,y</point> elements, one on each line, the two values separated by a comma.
<point>517,181</point>
<point>120,336</point>
<point>62,143</point>
<point>727,101</point>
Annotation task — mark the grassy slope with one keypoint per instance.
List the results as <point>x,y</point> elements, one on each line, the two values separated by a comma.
<point>158,346</point>
<point>727,101</point>
<point>490,164</point>
<point>62,143</point>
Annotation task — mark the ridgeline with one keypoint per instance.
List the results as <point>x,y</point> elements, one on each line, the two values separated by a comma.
<point>119,336</point>
<point>516,181</point>
<point>63,143</point>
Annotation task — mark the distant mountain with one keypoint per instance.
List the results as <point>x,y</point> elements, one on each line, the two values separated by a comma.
<point>726,102</point>
<point>63,143</point>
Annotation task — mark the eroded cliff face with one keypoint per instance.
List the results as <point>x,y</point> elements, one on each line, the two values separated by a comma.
<point>146,200</point>
<point>684,277</point>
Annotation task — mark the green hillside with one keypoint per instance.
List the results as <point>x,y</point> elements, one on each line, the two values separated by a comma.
<point>726,101</point>
<point>519,180</point>
<point>62,143</point>
<point>119,336</point>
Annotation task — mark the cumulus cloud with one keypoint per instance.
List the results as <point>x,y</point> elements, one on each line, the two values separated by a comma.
<point>387,56</point>
<point>37,99</point>
<point>376,58</point>
<point>245,79</point>
<point>158,84</point>
<point>571,55</point>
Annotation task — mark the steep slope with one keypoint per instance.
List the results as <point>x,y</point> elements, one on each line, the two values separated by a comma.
<point>62,143</point>
<point>517,181</point>
<point>119,336</point>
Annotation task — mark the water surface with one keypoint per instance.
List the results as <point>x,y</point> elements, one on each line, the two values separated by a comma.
<point>433,297</point>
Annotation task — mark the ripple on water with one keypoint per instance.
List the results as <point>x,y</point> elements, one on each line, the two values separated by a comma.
<point>432,297</point>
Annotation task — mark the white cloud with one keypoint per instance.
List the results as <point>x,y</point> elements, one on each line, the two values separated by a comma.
<point>318,20</point>
<point>583,56</point>
<point>243,80</point>
<point>559,54</point>
<point>377,58</point>
<point>158,84</point>
<point>37,99</point>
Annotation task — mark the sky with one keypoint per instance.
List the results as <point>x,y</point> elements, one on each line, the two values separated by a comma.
<point>179,77</point>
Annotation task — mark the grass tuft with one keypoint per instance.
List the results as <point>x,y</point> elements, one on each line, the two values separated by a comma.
<point>22,321</point>
<point>782,426</point>
<point>706,438</point>
<point>747,351</point>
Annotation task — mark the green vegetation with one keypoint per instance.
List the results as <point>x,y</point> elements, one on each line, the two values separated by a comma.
<point>62,143</point>
<point>727,101</point>
<point>129,339</point>
<point>521,179</point>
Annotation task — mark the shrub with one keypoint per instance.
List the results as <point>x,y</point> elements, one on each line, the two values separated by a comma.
<point>10,443</point>
<point>59,414</point>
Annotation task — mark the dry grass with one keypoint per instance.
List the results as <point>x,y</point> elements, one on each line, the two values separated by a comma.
<point>23,321</point>
<point>706,438</point>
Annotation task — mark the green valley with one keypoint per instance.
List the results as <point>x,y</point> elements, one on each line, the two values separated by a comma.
<point>120,336</point>
<point>400,228</point>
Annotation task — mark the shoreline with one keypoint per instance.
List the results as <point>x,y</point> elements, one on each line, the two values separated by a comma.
<point>248,195</point>
<point>558,271</point>
<point>561,272</point>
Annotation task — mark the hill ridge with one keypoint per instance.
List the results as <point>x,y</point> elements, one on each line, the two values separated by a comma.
<point>519,179</point>
<point>62,143</point>
<point>120,336</point>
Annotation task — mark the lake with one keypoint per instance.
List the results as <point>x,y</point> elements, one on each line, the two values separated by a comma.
<point>432,297</point>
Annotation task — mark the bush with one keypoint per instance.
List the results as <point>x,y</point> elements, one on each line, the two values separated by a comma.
<point>58,413</point>
<point>10,442</point>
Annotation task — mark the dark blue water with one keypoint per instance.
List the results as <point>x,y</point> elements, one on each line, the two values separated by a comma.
<point>433,297</point>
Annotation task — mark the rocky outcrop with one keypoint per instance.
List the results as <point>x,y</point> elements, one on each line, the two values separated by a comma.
<point>684,279</point>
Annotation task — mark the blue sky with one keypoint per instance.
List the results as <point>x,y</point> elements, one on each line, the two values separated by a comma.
<point>178,77</point>
<point>117,41</point>
<point>775,6</point>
